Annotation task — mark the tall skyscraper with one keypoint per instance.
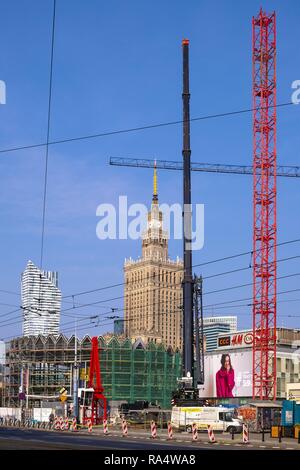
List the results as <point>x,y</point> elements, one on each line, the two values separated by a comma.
<point>153,289</point>
<point>118,327</point>
<point>230,320</point>
<point>41,301</point>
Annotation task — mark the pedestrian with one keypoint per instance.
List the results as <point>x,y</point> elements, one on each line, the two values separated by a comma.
<point>51,418</point>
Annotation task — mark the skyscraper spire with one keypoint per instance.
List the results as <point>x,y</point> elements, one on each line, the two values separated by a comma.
<point>155,194</point>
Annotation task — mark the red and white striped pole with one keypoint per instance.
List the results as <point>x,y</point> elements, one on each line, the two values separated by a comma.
<point>194,432</point>
<point>211,435</point>
<point>74,424</point>
<point>245,434</point>
<point>90,426</point>
<point>153,430</point>
<point>105,427</point>
<point>66,424</point>
<point>124,428</point>
<point>61,423</point>
<point>170,431</point>
<point>56,423</point>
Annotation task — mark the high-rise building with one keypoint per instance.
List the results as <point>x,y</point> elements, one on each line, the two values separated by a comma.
<point>227,319</point>
<point>2,371</point>
<point>2,353</point>
<point>153,286</point>
<point>118,327</point>
<point>41,301</point>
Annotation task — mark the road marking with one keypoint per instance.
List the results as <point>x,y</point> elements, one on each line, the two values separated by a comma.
<point>275,447</point>
<point>237,445</point>
<point>290,448</point>
<point>262,447</point>
<point>226,444</point>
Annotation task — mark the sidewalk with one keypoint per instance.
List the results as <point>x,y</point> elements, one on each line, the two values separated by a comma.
<point>222,438</point>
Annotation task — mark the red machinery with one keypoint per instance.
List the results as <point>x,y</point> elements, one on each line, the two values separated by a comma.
<point>264,205</point>
<point>93,401</point>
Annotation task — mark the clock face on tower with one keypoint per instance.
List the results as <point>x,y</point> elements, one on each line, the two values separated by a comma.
<point>154,223</point>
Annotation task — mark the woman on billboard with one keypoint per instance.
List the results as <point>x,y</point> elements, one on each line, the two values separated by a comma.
<point>225,378</point>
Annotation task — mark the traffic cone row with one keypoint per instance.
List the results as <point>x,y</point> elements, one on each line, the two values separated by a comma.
<point>63,424</point>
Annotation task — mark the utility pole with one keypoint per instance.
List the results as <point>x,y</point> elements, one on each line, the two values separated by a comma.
<point>75,377</point>
<point>188,330</point>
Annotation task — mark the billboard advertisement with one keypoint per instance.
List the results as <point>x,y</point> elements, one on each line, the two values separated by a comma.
<point>227,375</point>
<point>243,339</point>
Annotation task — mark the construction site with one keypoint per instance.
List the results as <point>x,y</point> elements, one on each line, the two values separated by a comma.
<point>166,371</point>
<point>129,372</point>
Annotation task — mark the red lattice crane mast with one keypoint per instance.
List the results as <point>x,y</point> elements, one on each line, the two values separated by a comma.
<point>99,402</point>
<point>264,205</point>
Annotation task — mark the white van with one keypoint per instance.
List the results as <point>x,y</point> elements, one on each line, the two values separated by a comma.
<point>220,418</point>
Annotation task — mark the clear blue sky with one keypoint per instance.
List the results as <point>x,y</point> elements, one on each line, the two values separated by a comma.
<point>118,65</point>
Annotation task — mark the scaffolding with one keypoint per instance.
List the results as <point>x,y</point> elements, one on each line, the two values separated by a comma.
<point>39,366</point>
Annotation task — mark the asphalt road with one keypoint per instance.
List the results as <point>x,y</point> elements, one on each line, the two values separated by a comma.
<point>29,439</point>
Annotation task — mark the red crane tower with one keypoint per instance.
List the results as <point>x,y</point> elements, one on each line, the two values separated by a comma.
<point>99,402</point>
<point>264,205</point>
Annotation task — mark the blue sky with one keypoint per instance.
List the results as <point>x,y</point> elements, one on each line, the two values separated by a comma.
<point>118,65</point>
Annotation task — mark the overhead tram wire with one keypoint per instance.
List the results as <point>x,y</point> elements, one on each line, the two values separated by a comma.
<point>119,309</point>
<point>98,325</point>
<point>164,313</point>
<point>200,264</point>
<point>226,258</point>
<point>48,136</point>
<point>158,303</point>
<point>139,128</point>
<point>89,323</point>
<point>121,284</point>
<point>215,306</point>
<point>10,292</point>
<point>84,327</point>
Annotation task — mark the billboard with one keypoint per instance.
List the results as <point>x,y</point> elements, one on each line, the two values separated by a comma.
<point>227,375</point>
<point>242,339</point>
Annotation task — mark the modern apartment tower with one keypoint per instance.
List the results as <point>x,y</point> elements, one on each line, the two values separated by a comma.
<point>153,286</point>
<point>41,301</point>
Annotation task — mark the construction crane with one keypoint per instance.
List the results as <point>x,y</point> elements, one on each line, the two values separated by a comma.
<point>264,170</point>
<point>93,403</point>
<point>264,205</point>
<point>282,170</point>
